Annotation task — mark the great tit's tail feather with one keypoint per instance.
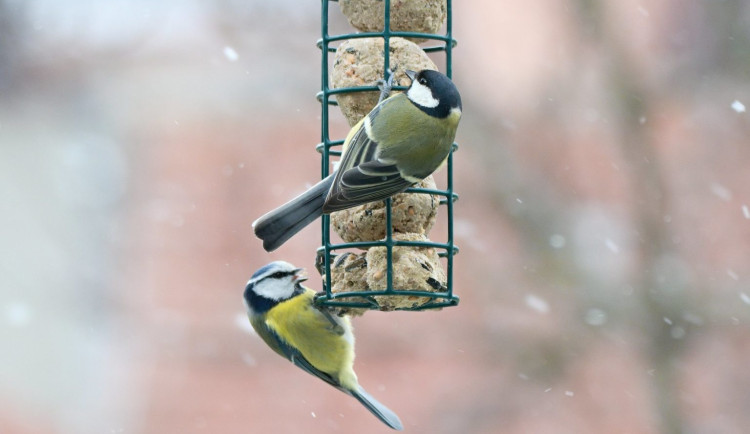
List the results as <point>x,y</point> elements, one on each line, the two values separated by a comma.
<point>382,412</point>
<point>277,226</point>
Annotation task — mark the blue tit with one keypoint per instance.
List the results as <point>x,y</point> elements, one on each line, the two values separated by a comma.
<point>401,141</point>
<point>282,312</point>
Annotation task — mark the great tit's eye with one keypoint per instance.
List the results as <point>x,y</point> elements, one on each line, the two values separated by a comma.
<point>423,81</point>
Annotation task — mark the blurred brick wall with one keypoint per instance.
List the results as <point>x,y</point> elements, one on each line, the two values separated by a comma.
<point>603,273</point>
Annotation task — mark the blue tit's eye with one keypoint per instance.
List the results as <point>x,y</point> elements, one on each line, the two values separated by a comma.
<point>278,275</point>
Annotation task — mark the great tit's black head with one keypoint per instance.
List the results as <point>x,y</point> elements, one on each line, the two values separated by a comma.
<point>273,283</point>
<point>433,92</point>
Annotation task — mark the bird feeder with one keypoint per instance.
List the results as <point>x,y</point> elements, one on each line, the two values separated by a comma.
<point>387,261</point>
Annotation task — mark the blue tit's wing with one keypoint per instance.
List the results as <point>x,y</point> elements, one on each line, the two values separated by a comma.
<point>302,363</point>
<point>293,355</point>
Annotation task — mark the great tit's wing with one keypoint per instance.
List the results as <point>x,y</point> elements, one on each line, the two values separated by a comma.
<point>362,176</point>
<point>368,182</point>
<point>359,147</point>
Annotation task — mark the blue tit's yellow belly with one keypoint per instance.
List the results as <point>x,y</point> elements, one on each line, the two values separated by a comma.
<point>327,346</point>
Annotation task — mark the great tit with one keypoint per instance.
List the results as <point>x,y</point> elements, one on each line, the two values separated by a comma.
<point>282,312</point>
<point>401,141</point>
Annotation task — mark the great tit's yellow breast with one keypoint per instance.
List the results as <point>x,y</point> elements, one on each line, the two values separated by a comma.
<point>454,117</point>
<point>329,347</point>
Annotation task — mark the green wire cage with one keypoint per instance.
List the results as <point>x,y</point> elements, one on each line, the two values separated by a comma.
<point>366,299</point>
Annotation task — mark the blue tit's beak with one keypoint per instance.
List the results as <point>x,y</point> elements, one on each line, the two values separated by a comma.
<point>411,74</point>
<point>299,275</point>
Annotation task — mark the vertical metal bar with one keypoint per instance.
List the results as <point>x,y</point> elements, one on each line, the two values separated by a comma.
<point>388,246</point>
<point>326,140</point>
<point>449,73</point>
<point>449,42</point>
<point>388,224</point>
<point>386,38</point>
<point>449,205</point>
<point>325,136</point>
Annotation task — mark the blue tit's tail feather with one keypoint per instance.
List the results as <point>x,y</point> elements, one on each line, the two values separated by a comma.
<point>381,411</point>
<point>277,226</point>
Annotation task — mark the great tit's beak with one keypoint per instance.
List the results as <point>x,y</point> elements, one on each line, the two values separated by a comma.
<point>411,74</point>
<point>299,275</point>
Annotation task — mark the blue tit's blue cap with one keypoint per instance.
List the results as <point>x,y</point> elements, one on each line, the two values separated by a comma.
<point>262,270</point>
<point>283,265</point>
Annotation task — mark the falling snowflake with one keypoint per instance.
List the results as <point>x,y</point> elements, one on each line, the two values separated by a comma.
<point>537,303</point>
<point>231,54</point>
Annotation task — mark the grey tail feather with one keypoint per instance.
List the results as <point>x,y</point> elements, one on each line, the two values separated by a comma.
<point>277,226</point>
<point>382,412</point>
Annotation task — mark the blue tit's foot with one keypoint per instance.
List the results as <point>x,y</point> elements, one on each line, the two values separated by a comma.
<point>385,86</point>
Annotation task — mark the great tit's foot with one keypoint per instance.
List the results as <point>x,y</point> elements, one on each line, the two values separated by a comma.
<point>385,86</point>
<point>320,263</point>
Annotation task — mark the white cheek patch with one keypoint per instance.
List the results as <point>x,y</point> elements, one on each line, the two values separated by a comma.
<point>275,289</point>
<point>422,95</point>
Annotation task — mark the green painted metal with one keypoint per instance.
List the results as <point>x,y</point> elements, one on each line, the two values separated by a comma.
<point>329,148</point>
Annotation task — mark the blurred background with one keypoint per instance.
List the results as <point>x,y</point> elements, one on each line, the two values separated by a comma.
<point>604,221</point>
